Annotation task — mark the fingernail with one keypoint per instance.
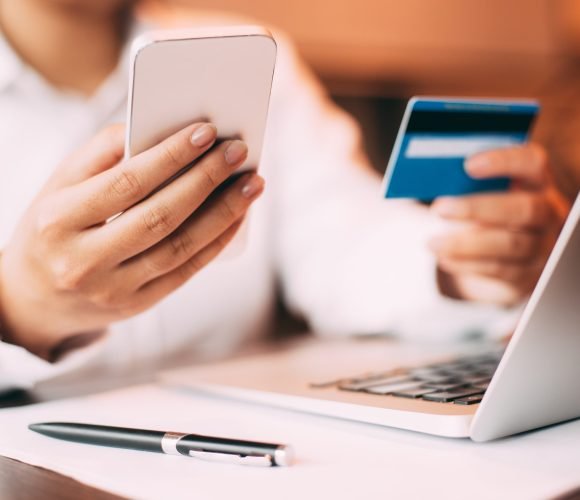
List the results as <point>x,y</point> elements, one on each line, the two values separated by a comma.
<point>477,165</point>
<point>236,152</point>
<point>450,207</point>
<point>253,186</point>
<point>203,135</point>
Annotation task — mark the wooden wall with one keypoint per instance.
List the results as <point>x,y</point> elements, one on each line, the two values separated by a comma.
<point>400,47</point>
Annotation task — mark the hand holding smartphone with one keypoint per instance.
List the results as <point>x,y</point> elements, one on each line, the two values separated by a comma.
<point>218,75</point>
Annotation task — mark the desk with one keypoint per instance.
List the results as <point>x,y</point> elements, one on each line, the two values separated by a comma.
<point>20,481</point>
<point>336,459</point>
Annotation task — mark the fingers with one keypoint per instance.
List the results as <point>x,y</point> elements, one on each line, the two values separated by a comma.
<point>157,289</point>
<point>221,213</point>
<point>505,271</point>
<point>115,190</point>
<point>152,220</point>
<point>118,288</point>
<point>484,289</point>
<point>488,243</point>
<point>101,153</point>
<point>527,163</point>
<point>519,209</point>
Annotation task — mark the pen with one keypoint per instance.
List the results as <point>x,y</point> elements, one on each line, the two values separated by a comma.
<point>171,443</point>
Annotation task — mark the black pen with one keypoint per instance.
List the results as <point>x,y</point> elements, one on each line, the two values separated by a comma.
<point>171,443</point>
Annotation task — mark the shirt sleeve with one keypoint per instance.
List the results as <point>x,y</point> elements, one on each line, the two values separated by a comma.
<point>350,261</point>
<point>20,369</point>
<point>127,349</point>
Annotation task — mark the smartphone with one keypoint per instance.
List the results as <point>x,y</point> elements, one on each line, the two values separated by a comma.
<point>221,75</point>
<point>437,135</point>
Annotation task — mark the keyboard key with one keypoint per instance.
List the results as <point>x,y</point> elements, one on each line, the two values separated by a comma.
<point>469,400</point>
<point>460,372</point>
<point>362,384</point>
<point>448,396</point>
<point>424,372</point>
<point>449,386</point>
<point>413,393</point>
<point>390,388</point>
<point>437,379</point>
<point>443,366</point>
<point>461,380</point>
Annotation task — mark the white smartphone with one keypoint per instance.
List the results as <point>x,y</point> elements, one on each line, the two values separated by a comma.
<point>221,75</point>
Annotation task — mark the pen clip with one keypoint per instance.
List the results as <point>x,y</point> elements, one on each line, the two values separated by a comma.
<point>232,458</point>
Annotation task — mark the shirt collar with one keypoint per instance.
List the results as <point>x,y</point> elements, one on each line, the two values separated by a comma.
<point>10,64</point>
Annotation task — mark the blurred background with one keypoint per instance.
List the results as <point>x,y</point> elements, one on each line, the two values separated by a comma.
<point>374,54</point>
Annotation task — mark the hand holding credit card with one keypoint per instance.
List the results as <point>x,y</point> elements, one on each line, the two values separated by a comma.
<point>437,135</point>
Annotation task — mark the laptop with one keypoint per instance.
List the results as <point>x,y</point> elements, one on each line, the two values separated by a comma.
<point>531,383</point>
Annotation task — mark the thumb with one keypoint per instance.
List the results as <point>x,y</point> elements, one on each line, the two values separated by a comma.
<point>527,164</point>
<point>102,152</point>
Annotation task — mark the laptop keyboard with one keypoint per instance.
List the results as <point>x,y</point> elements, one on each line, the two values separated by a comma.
<point>462,381</point>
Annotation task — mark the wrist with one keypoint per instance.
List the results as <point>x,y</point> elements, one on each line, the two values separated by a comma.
<point>12,335</point>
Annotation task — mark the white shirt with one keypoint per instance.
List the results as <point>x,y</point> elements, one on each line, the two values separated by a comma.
<point>349,261</point>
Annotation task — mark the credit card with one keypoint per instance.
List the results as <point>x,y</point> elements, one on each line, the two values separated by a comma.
<point>438,134</point>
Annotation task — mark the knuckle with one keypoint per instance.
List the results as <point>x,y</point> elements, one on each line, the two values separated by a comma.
<point>535,211</point>
<point>227,211</point>
<point>156,265</point>
<point>48,220</point>
<point>210,180</point>
<point>126,184</point>
<point>158,220</point>
<point>68,275</point>
<point>106,299</point>
<point>171,154</point>
<point>182,245</point>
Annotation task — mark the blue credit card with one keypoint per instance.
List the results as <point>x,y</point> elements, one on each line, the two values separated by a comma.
<point>437,135</point>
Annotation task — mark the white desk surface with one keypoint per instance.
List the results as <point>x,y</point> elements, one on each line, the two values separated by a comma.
<point>335,459</point>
